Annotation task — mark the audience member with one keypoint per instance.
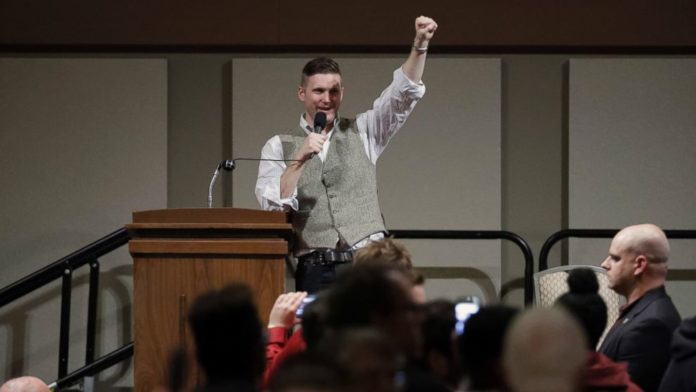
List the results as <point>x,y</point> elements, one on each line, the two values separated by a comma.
<point>309,372</point>
<point>480,348</point>
<point>439,357</point>
<point>306,337</point>
<point>229,339</point>
<point>372,361</point>
<point>637,269</point>
<point>378,296</point>
<point>681,372</point>
<point>387,251</point>
<point>545,351</point>
<point>281,321</point>
<point>392,253</point>
<point>584,302</point>
<point>24,384</point>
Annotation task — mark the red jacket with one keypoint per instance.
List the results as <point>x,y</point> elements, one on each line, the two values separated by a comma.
<point>602,373</point>
<point>279,348</point>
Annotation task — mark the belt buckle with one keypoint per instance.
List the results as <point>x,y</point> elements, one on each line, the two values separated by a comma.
<point>321,258</point>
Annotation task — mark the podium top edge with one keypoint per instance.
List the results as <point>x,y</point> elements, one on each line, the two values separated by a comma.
<point>210,216</point>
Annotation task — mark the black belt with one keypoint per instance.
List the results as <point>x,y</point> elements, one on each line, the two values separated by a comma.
<point>327,257</point>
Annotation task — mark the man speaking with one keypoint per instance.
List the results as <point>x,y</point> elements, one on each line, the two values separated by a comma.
<point>324,172</point>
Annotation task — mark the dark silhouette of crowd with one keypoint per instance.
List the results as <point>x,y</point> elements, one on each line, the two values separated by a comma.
<point>373,331</point>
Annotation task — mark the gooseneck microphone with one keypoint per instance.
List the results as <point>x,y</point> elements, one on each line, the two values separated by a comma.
<point>319,122</point>
<point>230,164</point>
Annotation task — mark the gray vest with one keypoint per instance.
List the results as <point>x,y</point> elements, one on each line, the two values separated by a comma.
<point>337,197</point>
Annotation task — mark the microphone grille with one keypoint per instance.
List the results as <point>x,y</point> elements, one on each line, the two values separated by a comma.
<point>228,165</point>
<point>320,119</point>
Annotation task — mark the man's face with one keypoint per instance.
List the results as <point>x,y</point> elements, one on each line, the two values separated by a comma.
<point>620,265</point>
<point>321,93</point>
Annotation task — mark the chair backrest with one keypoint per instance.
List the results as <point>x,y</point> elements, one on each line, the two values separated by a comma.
<point>551,284</point>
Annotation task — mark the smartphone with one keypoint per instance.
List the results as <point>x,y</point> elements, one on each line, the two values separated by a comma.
<point>463,309</point>
<point>307,300</point>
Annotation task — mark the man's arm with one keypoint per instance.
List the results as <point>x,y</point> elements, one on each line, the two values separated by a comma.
<point>414,65</point>
<point>392,108</point>
<point>288,180</point>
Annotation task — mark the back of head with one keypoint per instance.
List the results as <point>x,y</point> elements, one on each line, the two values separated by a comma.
<point>309,372</point>
<point>228,334</point>
<point>438,327</point>
<point>362,293</point>
<point>545,350</point>
<point>646,239</point>
<point>366,353</point>
<point>314,321</point>
<point>481,346</point>
<point>24,384</point>
<point>386,251</point>
<point>584,302</point>
<point>380,297</point>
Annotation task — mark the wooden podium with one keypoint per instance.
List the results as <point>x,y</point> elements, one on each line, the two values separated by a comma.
<point>180,253</point>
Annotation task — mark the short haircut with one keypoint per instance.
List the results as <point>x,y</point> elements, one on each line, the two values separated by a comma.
<point>583,302</point>
<point>545,350</point>
<point>228,334</point>
<point>385,251</point>
<point>319,65</point>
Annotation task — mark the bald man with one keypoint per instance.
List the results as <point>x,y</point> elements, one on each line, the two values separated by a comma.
<point>637,269</point>
<point>545,349</point>
<point>25,384</point>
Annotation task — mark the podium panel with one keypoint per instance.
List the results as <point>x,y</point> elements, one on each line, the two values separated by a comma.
<point>181,253</point>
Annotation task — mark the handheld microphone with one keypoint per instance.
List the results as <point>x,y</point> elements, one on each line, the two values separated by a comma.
<point>319,122</point>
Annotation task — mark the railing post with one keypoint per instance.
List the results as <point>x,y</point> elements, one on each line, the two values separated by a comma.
<point>64,345</point>
<point>92,303</point>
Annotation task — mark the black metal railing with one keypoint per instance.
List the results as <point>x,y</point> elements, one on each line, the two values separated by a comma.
<point>63,269</point>
<point>94,367</point>
<point>89,255</point>
<point>481,235</point>
<point>595,233</point>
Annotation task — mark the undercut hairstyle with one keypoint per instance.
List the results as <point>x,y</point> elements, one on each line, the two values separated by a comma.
<point>585,304</point>
<point>228,334</point>
<point>319,65</point>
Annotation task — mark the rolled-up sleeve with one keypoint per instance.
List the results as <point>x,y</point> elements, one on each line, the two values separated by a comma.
<point>271,167</point>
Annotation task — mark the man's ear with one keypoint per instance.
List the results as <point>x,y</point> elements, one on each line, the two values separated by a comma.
<point>301,93</point>
<point>641,264</point>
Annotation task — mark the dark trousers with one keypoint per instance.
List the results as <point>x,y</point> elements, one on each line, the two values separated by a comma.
<point>312,278</point>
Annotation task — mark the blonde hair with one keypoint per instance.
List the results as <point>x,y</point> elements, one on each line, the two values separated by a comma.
<point>385,251</point>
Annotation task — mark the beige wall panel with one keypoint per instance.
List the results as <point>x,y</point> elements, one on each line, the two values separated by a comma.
<point>632,153</point>
<point>84,143</point>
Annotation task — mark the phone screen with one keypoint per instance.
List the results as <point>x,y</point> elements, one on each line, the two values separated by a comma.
<point>463,310</point>
<point>307,300</point>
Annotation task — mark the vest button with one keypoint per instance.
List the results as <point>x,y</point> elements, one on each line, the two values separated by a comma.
<point>335,211</point>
